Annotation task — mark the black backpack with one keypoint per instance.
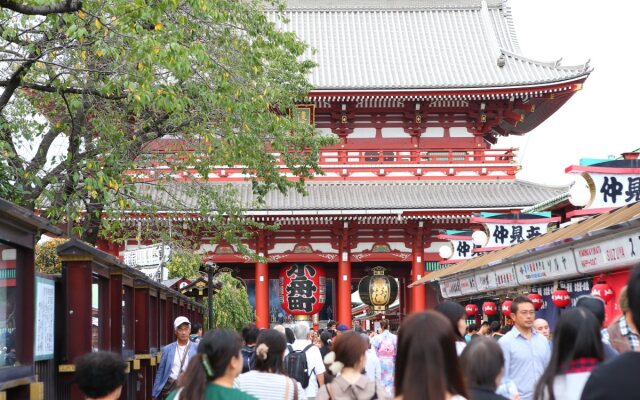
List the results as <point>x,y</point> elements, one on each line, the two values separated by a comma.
<point>247,358</point>
<point>296,365</point>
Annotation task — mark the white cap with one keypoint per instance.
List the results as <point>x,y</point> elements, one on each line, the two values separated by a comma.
<point>179,321</point>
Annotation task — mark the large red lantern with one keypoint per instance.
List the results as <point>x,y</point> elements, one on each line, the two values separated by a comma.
<point>489,308</point>
<point>602,290</point>
<point>303,289</point>
<point>471,309</point>
<point>560,298</point>
<point>536,299</point>
<point>506,308</point>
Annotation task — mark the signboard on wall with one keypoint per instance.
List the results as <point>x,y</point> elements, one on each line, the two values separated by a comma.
<point>617,252</point>
<point>554,266</point>
<point>468,284</point>
<point>450,288</point>
<point>486,280</point>
<point>44,323</point>
<point>506,277</point>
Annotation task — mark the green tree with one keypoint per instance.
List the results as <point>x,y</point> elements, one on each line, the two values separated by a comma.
<point>46,257</point>
<point>231,307</point>
<point>87,86</point>
<point>183,264</point>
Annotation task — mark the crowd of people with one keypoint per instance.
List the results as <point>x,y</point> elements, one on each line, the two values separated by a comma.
<point>434,355</point>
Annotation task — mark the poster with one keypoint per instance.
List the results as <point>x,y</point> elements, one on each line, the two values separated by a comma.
<point>45,315</point>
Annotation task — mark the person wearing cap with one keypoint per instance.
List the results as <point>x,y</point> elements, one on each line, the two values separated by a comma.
<point>342,328</point>
<point>174,360</point>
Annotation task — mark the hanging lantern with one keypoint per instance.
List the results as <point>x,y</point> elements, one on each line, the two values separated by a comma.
<point>560,298</point>
<point>489,308</point>
<point>602,290</point>
<point>378,290</point>
<point>471,309</point>
<point>506,308</point>
<point>536,299</point>
<point>303,289</point>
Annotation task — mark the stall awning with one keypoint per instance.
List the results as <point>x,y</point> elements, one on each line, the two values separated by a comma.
<point>573,232</point>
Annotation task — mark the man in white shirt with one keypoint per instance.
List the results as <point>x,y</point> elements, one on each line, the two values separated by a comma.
<point>174,360</point>
<point>314,360</point>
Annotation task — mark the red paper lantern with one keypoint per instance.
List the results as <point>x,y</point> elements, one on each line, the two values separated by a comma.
<point>303,289</point>
<point>560,298</point>
<point>602,290</point>
<point>506,308</point>
<point>489,308</point>
<point>471,309</point>
<point>536,299</point>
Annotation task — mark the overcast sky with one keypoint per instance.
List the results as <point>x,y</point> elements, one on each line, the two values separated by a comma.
<point>598,121</point>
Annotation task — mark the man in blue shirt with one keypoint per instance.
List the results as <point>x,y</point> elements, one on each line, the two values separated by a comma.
<point>526,352</point>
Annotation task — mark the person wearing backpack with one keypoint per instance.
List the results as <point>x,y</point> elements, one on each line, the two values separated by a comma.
<point>249,335</point>
<point>303,362</point>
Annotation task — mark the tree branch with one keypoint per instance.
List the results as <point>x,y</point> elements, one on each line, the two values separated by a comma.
<point>40,159</point>
<point>68,90</point>
<point>67,6</point>
<point>13,83</point>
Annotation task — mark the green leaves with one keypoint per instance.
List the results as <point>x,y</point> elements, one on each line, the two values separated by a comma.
<point>231,307</point>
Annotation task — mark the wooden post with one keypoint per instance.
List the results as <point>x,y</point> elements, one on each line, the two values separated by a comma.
<point>115,308</point>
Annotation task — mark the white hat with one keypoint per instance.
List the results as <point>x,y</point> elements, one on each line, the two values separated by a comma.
<point>179,321</point>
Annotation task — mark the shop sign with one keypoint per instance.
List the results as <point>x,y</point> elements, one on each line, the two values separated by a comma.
<point>506,277</point>
<point>618,252</point>
<point>613,190</point>
<point>507,234</point>
<point>555,266</point>
<point>450,288</point>
<point>468,285</point>
<point>486,281</point>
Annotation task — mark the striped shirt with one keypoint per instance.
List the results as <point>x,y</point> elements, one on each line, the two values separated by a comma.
<point>268,386</point>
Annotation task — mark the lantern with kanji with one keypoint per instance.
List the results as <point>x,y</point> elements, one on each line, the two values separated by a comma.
<point>489,308</point>
<point>560,298</point>
<point>602,290</point>
<point>536,299</point>
<point>506,308</point>
<point>471,309</point>
<point>378,290</point>
<point>303,289</point>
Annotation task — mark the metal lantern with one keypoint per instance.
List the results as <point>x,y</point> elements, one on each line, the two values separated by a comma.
<point>602,290</point>
<point>378,290</point>
<point>561,298</point>
<point>506,308</point>
<point>303,289</point>
<point>489,308</point>
<point>471,309</point>
<point>536,299</point>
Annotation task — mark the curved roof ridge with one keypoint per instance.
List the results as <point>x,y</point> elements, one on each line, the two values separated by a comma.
<point>550,64</point>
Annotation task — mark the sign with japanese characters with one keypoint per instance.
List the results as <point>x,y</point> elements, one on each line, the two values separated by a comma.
<point>468,284</point>
<point>461,246</point>
<point>506,277</point>
<point>613,253</point>
<point>555,266</point>
<point>508,229</point>
<point>450,288</point>
<point>486,280</point>
<point>611,184</point>
<point>303,289</point>
<point>44,321</point>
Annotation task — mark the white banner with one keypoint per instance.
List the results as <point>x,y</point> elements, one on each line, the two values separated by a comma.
<point>555,266</point>
<point>486,281</point>
<point>468,285</point>
<point>147,256</point>
<point>506,277</point>
<point>450,288</point>
<point>45,318</point>
<point>618,252</point>
<point>613,190</point>
<point>506,234</point>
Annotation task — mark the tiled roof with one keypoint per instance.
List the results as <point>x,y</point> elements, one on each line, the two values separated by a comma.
<point>369,195</point>
<point>416,44</point>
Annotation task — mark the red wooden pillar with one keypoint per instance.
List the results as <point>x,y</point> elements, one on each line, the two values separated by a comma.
<point>262,286</point>
<point>418,293</point>
<point>169,317</point>
<point>115,312</point>
<point>344,279</point>
<point>77,283</point>
<point>25,304</point>
<point>142,330</point>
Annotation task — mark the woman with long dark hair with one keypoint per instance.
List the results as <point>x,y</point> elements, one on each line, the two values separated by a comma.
<point>267,379</point>
<point>427,366</point>
<point>211,372</point>
<point>577,348</point>
<point>457,317</point>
